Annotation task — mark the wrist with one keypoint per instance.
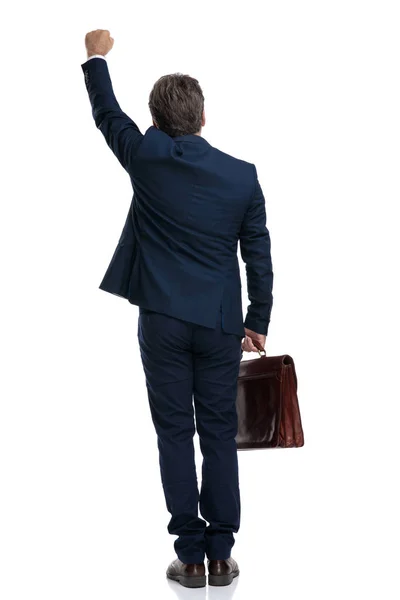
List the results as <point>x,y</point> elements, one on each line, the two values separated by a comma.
<point>90,54</point>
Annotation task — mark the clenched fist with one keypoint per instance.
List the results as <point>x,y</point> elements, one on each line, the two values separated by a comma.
<point>98,41</point>
<point>247,342</point>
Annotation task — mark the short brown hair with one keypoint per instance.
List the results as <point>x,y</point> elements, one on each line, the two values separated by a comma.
<point>176,104</point>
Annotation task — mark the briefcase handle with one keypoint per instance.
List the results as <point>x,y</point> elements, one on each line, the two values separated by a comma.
<point>260,349</point>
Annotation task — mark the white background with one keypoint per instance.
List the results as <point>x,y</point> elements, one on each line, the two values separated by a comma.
<point>309,92</point>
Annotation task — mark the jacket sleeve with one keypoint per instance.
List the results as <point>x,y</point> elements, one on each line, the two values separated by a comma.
<point>121,133</point>
<point>255,249</point>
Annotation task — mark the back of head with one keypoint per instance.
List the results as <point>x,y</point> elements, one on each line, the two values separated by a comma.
<point>176,104</point>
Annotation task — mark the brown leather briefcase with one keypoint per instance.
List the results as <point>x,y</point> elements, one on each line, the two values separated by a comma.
<point>267,404</point>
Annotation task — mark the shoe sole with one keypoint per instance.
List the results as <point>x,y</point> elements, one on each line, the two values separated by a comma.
<point>222,579</point>
<point>191,581</point>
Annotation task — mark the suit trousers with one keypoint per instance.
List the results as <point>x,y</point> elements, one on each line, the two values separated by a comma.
<point>191,376</point>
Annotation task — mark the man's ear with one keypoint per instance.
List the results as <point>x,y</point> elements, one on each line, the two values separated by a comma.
<point>203,118</point>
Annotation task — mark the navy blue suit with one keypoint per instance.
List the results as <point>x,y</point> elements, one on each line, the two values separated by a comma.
<point>177,259</point>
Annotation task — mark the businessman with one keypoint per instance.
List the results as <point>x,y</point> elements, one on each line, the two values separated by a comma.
<point>177,260</point>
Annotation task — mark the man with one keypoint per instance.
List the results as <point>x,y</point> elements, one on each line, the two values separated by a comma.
<point>177,260</point>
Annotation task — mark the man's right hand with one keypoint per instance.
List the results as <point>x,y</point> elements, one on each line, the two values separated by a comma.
<point>247,343</point>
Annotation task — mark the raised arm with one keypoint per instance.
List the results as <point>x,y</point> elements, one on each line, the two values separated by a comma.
<point>120,132</point>
<point>255,249</point>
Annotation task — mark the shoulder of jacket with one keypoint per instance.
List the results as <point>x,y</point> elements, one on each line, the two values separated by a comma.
<point>238,161</point>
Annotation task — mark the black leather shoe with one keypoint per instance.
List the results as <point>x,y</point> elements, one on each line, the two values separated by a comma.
<point>189,575</point>
<point>222,572</point>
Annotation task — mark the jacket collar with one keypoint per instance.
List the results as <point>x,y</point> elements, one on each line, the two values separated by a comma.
<point>194,139</point>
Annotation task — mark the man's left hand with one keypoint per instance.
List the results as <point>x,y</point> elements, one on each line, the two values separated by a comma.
<point>98,41</point>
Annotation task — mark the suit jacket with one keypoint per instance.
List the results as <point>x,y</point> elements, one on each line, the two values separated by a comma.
<point>191,206</point>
